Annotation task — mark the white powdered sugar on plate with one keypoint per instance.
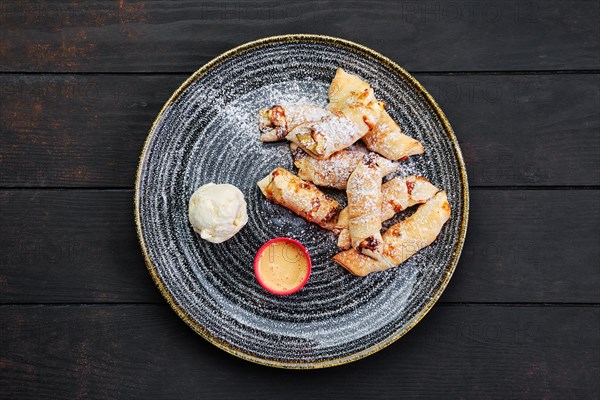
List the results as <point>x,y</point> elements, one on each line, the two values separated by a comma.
<point>209,133</point>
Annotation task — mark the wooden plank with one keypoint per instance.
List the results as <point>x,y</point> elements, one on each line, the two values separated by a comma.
<point>80,246</point>
<point>161,36</point>
<point>145,351</point>
<point>530,246</point>
<point>524,130</point>
<point>65,246</point>
<point>74,130</point>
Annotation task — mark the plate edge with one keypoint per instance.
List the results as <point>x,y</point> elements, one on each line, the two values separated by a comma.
<point>292,38</point>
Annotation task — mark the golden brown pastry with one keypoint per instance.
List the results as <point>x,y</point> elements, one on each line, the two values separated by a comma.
<point>387,139</point>
<point>402,240</point>
<point>355,111</point>
<point>303,198</point>
<point>398,194</point>
<point>334,171</point>
<point>355,98</point>
<point>322,138</point>
<point>384,136</point>
<point>276,122</point>
<point>364,206</point>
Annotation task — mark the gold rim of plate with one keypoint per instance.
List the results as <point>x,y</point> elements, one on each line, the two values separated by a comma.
<point>322,39</point>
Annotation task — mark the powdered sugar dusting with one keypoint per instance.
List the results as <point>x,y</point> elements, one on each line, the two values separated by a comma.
<point>210,134</point>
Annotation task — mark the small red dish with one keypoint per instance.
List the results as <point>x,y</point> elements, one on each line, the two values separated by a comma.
<point>282,266</point>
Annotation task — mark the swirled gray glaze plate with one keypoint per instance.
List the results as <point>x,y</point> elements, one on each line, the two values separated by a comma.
<point>207,132</point>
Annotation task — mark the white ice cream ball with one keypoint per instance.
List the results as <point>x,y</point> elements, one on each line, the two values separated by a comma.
<point>217,212</point>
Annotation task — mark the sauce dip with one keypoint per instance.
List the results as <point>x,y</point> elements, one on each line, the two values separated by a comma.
<point>282,266</point>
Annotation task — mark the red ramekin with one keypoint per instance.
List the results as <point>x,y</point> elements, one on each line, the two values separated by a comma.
<point>306,255</point>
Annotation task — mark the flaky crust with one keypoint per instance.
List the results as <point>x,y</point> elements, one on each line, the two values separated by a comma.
<point>322,138</point>
<point>303,198</point>
<point>276,122</point>
<point>364,206</point>
<point>334,171</point>
<point>355,98</point>
<point>403,239</point>
<point>387,139</point>
<point>398,194</point>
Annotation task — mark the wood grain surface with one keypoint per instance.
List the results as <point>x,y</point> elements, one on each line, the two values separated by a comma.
<point>146,352</point>
<point>74,246</point>
<point>81,83</point>
<point>178,36</point>
<point>87,130</point>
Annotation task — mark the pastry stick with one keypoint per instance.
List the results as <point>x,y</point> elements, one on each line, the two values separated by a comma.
<point>384,136</point>
<point>303,198</point>
<point>334,171</point>
<point>322,138</point>
<point>276,122</point>
<point>387,139</point>
<point>364,207</point>
<point>403,239</point>
<point>398,194</point>
<point>354,98</point>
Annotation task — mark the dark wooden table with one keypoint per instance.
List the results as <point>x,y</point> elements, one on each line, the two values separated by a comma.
<point>81,83</point>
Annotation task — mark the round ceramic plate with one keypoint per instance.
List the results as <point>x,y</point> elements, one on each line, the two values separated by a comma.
<point>207,132</point>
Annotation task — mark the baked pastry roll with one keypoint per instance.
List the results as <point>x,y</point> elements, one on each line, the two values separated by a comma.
<point>322,138</point>
<point>387,139</point>
<point>398,194</point>
<point>334,171</point>
<point>303,198</point>
<point>364,206</point>
<point>384,136</point>
<point>355,99</point>
<point>403,239</point>
<point>276,122</point>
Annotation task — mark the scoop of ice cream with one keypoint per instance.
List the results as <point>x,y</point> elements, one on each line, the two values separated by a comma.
<point>217,212</point>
